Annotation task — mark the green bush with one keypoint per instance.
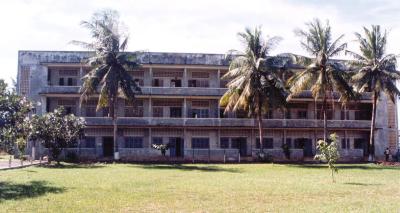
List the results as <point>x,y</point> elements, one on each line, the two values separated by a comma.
<point>71,157</point>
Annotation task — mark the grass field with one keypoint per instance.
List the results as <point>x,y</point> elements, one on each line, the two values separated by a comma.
<point>200,188</point>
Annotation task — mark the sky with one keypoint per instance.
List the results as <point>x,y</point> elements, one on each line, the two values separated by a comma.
<point>206,26</point>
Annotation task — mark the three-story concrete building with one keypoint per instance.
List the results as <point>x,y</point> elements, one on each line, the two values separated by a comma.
<point>179,106</point>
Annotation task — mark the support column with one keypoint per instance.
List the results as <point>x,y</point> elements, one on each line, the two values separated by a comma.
<point>185,78</point>
<point>184,109</point>
<point>79,81</point>
<point>219,79</point>
<point>150,108</point>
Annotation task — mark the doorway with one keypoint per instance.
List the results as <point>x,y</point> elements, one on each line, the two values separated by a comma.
<point>306,145</point>
<point>108,146</point>
<point>241,144</point>
<point>176,147</point>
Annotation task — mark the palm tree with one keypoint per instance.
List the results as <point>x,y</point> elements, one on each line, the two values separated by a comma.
<point>376,72</point>
<point>109,65</point>
<point>321,75</point>
<point>254,86</point>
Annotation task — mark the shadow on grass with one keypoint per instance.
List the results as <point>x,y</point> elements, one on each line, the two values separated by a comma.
<point>363,184</point>
<point>72,166</point>
<point>16,191</point>
<point>360,166</point>
<point>189,168</point>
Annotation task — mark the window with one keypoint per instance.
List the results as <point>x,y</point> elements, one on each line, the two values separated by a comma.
<point>90,142</point>
<point>68,110</point>
<point>175,112</point>
<point>133,142</point>
<point>359,143</point>
<point>241,114</point>
<point>139,82</point>
<point>176,83</point>
<point>70,82</point>
<point>157,140</point>
<point>91,111</point>
<point>192,83</point>
<point>200,143</point>
<point>61,82</point>
<point>346,143</point>
<point>224,143</point>
<point>268,115</point>
<point>299,143</point>
<point>267,143</point>
<point>222,113</point>
<point>157,82</point>
<point>105,112</point>
<point>200,113</point>
<point>158,112</point>
<point>288,114</point>
<point>302,114</point>
<point>344,115</point>
<point>289,142</point>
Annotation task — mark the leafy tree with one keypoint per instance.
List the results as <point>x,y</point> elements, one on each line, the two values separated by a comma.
<point>14,121</point>
<point>162,147</point>
<point>329,153</point>
<point>321,75</point>
<point>109,65</point>
<point>57,131</point>
<point>376,72</point>
<point>254,85</point>
<point>286,150</point>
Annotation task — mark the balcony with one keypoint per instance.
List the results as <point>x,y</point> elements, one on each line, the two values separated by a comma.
<point>227,122</point>
<point>177,91</point>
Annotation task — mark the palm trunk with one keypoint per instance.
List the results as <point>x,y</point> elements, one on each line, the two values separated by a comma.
<point>325,118</point>
<point>260,129</point>
<point>113,113</point>
<point>371,138</point>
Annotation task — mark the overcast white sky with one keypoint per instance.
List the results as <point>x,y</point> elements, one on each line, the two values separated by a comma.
<point>206,26</point>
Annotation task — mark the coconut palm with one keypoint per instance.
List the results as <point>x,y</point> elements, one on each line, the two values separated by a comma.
<point>321,75</point>
<point>109,65</point>
<point>254,86</point>
<point>376,72</point>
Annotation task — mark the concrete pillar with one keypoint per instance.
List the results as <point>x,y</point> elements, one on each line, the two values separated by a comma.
<point>381,136</point>
<point>80,76</point>
<point>184,112</point>
<point>43,105</point>
<point>219,79</point>
<point>185,78</point>
<point>151,76</point>
<point>150,108</point>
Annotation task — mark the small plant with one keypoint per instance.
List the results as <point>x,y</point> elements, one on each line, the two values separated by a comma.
<point>329,153</point>
<point>71,157</point>
<point>264,157</point>
<point>162,147</point>
<point>286,150</point>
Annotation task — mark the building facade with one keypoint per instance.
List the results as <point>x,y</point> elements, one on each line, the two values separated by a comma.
<point>179,106</point>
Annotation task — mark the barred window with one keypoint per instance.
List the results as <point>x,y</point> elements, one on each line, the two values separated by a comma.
<point>157,140</point>
<point>267,143</point>
<point>200,143</point>
<point>133,142</point>
<point>90,142</point>
<point>345,143</point>
<point>200,113</point>
<point>224,143</point>
<point>158,112</point>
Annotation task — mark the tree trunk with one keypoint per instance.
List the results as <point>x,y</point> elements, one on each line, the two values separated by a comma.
<point>260,129</point>
<point>371,138</point>
<point>325,118</point>
<point>113,112</point>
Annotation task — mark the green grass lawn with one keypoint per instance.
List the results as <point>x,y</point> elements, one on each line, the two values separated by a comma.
<point>200,188</point>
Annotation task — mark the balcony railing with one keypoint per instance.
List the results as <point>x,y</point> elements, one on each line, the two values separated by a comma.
<point>181,91</point>
<point>228,122</point>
